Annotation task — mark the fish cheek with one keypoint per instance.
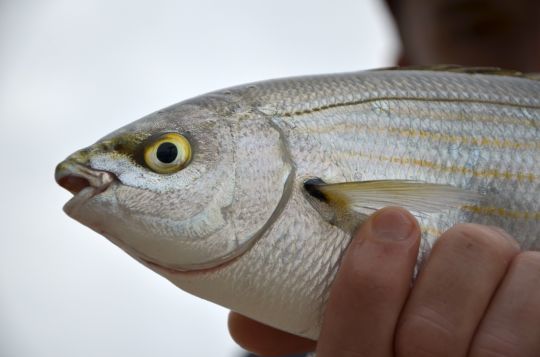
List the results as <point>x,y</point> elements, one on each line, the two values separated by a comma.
<point>184,224</point>
<point>173,205</point>
<point>157,228</point>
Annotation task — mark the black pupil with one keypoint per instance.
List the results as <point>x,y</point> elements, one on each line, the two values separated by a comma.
<point>167,153</point>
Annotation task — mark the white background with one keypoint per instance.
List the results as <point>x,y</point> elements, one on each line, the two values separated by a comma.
<point>71,72</point>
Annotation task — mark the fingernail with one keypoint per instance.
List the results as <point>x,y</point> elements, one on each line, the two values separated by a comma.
<point>392,224</point>
<point>505,235</point>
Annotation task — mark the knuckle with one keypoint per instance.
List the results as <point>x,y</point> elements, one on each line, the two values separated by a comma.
<point>477,240</point>
<point>425,333</point>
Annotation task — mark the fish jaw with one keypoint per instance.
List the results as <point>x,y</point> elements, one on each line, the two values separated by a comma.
<point>84,182</point>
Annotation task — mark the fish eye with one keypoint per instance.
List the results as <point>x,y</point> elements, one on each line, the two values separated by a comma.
<point>168,153</point>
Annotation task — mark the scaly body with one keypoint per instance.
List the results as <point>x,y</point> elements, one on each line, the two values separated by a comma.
<point>476,132</point>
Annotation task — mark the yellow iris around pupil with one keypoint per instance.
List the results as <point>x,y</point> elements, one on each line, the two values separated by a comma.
<point>167,154</point>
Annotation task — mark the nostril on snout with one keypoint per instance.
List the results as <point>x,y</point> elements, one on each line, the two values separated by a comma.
<point>73,184</point>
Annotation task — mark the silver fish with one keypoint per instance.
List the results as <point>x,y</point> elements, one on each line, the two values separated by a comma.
<point>247,196</point>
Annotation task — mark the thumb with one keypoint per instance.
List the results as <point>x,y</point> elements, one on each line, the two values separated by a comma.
<point>371,287</point>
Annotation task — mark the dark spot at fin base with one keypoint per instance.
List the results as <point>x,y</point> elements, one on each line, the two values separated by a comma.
<point>311,186</point>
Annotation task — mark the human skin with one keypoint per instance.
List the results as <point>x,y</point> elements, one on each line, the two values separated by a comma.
<point>477,295</point>
<point>500,33</point>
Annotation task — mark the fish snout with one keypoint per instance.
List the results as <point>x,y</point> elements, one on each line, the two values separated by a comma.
<point>75,177</point>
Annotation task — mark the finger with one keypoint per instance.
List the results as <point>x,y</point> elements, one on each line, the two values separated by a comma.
<point>453,291</point>
<point>265,340</point>
<point>371,287</point>
<point>512,324</point>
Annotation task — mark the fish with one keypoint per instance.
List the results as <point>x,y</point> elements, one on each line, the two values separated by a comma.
<point>248,196</point>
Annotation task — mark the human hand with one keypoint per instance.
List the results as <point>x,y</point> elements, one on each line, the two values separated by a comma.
<point>477,295</point>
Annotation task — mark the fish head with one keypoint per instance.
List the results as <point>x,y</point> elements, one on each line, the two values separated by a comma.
<point>187,188</point>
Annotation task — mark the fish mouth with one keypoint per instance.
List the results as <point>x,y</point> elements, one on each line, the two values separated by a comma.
<point>83,182</point>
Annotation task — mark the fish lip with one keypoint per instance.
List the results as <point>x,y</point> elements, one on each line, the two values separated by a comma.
<point>98,182</point>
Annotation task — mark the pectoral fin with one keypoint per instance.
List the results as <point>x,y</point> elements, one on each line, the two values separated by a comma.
<point>367,196</point>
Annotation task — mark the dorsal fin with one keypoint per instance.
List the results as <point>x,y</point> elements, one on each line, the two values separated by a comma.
<point>495,71</point>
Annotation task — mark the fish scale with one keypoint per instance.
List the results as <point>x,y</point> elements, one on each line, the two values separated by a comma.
<point>351,108</point>
<point>242,230</point>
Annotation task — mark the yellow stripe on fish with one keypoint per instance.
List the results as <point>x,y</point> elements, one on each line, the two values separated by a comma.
<point>410,161</point>
<point>459,139</point>
<point>503,212</point>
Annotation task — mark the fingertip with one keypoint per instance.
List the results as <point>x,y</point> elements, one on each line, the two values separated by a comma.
<point>372,284</point>
<point>236,327</point>
<point>394,224</point>
<point>474,239</point>
<point>390,234</point>
<point>506,236</point>
<point>244,331</point>
<point>389,224</point>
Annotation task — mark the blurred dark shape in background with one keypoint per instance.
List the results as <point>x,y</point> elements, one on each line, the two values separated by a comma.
<point>499,33</point>
<point>252,355</point>
<point>492,33</point>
